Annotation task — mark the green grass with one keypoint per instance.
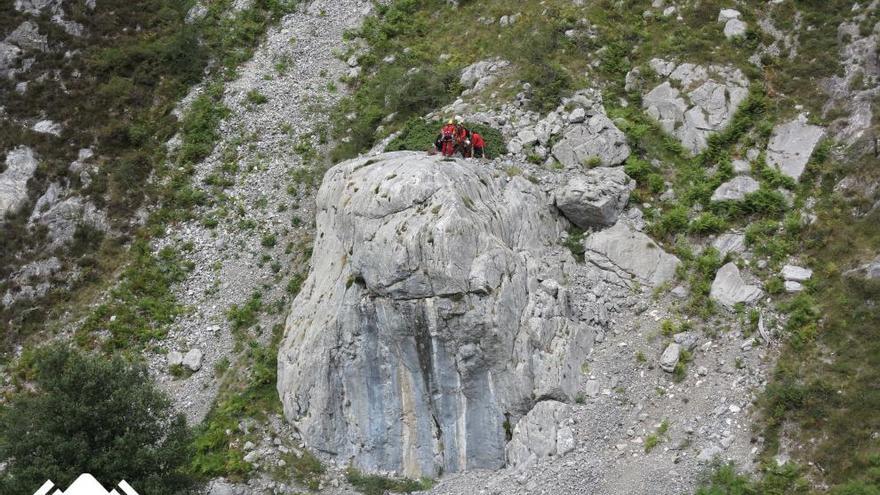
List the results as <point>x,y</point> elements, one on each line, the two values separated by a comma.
<point>248,391</point>
<point>141,305</point>
<point>654,439</point>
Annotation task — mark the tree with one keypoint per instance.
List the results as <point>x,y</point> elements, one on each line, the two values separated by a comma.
<point>92,415</point>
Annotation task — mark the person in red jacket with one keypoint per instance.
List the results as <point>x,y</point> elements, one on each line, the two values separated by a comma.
<point>446,140</point>
<point>478,146</point>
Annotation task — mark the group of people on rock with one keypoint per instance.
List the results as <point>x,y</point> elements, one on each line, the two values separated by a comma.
<point>455,138</point>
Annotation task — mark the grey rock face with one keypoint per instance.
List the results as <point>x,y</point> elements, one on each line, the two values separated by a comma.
<point>735,189</point>
<point>596,198</point>
<point>426,321</point>
<point>20,166</point>
<point>729,288</point>
<point>670,357</point>
<point>631,254</point>
<point>541,433</point>
<point>791,145</point>
<point>596,139</point>
<point>710,98</point>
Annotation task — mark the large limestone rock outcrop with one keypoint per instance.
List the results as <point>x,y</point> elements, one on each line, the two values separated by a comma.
<point>434,314</point>
<point>792,144</point>
<point>729,288</point>
<point>20,166</point>
<point>631,254</point>
<point>695,101</point>
<point>596,198</point>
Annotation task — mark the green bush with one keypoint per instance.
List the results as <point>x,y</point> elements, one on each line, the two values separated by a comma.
<point>92,415</point>
<point>672,221</point>
<point>707,223</point>
<point>378,485</point>
<point>419,135</point>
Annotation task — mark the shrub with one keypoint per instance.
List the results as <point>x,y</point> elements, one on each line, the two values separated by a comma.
<point>92,415</point>
<point>575,243</point>
<point>377,485</point>
<point>707,223</point>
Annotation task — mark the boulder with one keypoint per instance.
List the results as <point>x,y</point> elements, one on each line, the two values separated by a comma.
<point>670,357</point>
<point>596,198</point>
<point>631,254</point>
<point>20,167</point>
<point>730,289</point>
<point>870,270</point>
<point>596,139</point>
<point>688,340</point>
<point>730,242</point>
<point>480,74</point>
<point>735,189</point>
<point>791,286</point>
<point>27,37</point>
<point>796,273</point>
<point>47,127</point>
<point>174,358</point>
<point>591,389</point>
<point>741,167</point>
<point>726,15</point>
<point>792,144</point>
<point>735,28</point>
<point>428,320</point>
<point>541,433</point>
<point>193,360</point>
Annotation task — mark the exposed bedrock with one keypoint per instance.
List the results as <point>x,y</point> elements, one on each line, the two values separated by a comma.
<point>435,316</point>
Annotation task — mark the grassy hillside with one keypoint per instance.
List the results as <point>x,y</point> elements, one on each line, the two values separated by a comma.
<point>823,397</point>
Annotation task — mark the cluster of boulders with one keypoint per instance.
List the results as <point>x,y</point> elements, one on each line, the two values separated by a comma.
<point>192,360</point>
<point>693,101</point>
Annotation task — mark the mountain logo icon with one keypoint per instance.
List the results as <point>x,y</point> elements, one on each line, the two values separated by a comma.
<point>86,484</point>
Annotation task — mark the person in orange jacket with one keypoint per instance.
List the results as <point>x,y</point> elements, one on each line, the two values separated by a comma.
<point>478,146</point>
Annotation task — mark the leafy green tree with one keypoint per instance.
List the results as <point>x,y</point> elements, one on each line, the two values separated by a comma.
<point>89,414</point>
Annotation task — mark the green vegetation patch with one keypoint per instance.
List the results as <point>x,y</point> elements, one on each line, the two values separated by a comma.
<point>419,134</point>
<point>88,414</point>
<point>378,485</point>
